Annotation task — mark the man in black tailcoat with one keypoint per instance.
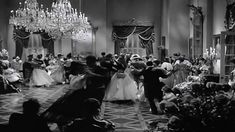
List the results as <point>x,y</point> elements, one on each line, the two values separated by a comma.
<point>97,79</point>
<point>28,69</point>
<point>152,84</point>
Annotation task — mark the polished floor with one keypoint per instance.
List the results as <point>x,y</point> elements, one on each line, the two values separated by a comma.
<point>128,116</point>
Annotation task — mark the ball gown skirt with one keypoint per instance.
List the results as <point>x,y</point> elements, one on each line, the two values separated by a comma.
<point>124,88</point>
<point>40,78</point>
<point>58,75</point>
<point>11,75</point>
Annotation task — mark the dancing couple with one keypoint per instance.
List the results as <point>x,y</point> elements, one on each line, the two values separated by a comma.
<point>123,85</point>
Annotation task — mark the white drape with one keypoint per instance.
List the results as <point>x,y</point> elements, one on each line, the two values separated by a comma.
<point>35,46</point>
<point>133,45</point>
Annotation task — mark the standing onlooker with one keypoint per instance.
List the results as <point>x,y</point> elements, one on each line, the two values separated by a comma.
<point>16,64</point>
<point>166,65</point>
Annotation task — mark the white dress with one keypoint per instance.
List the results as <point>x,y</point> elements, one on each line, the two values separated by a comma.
<point>11,75</point>
<point>40,77</point>
<point>122,88</point>
<point>58,74</point>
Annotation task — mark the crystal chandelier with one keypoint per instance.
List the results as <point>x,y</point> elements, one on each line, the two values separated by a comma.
<point>61,21</point>
<point>28,16</point>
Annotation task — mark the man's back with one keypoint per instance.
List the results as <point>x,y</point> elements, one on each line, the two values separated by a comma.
<point>149,75</point>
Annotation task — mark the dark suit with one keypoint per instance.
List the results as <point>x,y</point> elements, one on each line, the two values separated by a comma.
<point>27,70</point>
<point>109,64</point>
<point>152,84</point>
<point>25,123</point>
<point>96,84</point>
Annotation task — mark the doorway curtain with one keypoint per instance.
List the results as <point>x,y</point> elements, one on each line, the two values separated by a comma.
<point>26,40</point>
<point>146,36</point>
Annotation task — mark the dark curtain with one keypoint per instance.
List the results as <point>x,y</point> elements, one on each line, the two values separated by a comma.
<point>119,35</point>
<point>145,33</point>
<point>47,43</point>
<point>22,41</point>
<point>123,31</point>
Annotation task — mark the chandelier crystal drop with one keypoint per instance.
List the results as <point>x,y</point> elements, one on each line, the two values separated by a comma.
<point>62,20</point>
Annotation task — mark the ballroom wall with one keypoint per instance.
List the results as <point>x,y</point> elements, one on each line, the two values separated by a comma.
<point>178,26</point>
<point>143,11</point>
<point>171,19</point>
<point>96,11</point>
<point>4,14</point>
<point>219,16</point>
<point>103,13</point>
<point>207,9</point>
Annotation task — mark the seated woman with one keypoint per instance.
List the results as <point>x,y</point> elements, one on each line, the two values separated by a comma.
<point>168,104</point>
<point>168,94</point>
<point>39,75</point>
<point>9,73</point>
<point>91,122</point>
<point>6,87</point>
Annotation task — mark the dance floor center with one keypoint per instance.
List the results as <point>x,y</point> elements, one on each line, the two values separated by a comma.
<point>128,117</point>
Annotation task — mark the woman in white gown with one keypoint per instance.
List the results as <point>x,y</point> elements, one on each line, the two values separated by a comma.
<point>39,75</point>
<point>58,75</point>
<point>121,87</point>
<point>9,74</point>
